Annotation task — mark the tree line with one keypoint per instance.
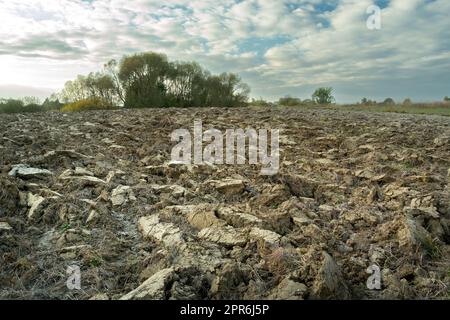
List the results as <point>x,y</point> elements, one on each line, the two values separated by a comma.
<point>151,80</point>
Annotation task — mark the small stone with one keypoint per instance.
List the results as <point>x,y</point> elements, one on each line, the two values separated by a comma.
<point>442,141</point>
<point>329,283</point>
<point>412,234</point>
<point>108,141</point>
<point>301,186</point>
<point>174,190</point>
<point>301,219</point>
<point>236,218</point>
<point>430,212</point>
<point>154,288</point>
<point>268,236</point>
<point>116,146</point>
<point>99,297</point>
<point>82,172</point>
<point>163,232</point>
<point>289,290</point>
<point>228,187</point>
<point>75,248</point>
<point>226,236</point>
<point>4,226</point>
<point>122,195</point>
<point>205,219</point>
<point>229,283</point>
<point>93,216</point>
<point>34,201</point>
<point>368,174</point>
<point>88,180</point>
<point>24,171</point>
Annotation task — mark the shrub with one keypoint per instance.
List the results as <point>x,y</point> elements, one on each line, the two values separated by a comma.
<point>307,102</point>
<point>33,107</point>
<point>289,101</point>
<point>407,102</point>
<point>18,106</point>
<point>260,103</point>
<point>11,106</point>
<point>85,105</point>
<point>366,102</point>
<point>389,101</point>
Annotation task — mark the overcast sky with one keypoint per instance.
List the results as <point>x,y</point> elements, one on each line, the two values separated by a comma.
<point>278,47</point>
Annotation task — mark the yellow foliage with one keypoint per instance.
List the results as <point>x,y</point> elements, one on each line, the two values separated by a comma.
<point>86,104</point>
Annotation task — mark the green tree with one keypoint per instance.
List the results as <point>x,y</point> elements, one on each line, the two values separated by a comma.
<point>323,96</point>
<point>235,92</point>
<point>75,90</point>
<point>98,86</point>
<point>143,79</point>
<point>112,69</point>
<point>101,86</point>
<point>185,84</point>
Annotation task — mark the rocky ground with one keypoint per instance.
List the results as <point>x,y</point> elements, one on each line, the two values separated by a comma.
<point>95,190</point>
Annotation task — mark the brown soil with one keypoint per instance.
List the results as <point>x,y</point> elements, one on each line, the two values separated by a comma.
<point>354,190</point>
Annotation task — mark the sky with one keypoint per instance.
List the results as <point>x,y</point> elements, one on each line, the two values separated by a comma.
<point>278,47</point>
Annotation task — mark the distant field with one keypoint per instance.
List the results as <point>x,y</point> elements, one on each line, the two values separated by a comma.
<point>438,109</point>
<point>442,109</point>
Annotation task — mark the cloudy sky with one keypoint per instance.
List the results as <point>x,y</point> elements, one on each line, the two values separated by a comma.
<point>278,47</point>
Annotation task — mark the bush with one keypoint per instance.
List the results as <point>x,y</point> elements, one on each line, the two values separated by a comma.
<point>367,102</point>
<point>11,106</point>
<point>389,101</point>
<point>85,105</point>
<point>18,106</point>
<point>407,102</point>
<point>307,102</point>
<point>260,103</point>
<point>33,107</point>
<point>289,101</point>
